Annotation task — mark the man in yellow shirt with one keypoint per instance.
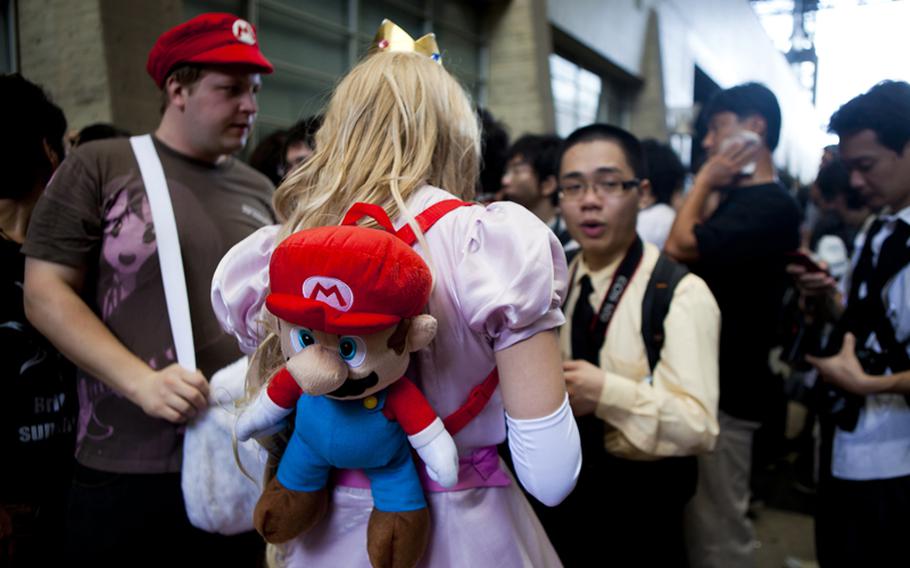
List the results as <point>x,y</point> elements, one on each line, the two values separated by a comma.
<point>640,426</point>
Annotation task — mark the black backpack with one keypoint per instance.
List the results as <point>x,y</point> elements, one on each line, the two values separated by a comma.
<point>656,303</point>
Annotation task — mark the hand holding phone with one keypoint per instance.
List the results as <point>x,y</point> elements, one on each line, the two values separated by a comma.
<point>810,277</point>
<point>802,259</point>
<point>747,139</point>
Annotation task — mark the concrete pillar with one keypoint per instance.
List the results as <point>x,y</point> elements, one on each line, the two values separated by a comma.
<point>130,31</point>
<point>61,47</point>
<point>519,86</point>
<point>90,56</point>
<point>649,116</point>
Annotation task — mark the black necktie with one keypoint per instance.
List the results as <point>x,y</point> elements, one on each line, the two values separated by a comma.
<point>582,335</point>
<point>590,428</point>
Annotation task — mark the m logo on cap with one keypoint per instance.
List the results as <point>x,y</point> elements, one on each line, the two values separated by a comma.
<point>329,291</point>
<point>244,33</point>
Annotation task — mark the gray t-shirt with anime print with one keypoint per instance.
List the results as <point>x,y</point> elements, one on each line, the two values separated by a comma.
<point>95,215</point>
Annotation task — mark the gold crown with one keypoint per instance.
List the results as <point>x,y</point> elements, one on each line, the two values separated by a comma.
<point>390,37</point>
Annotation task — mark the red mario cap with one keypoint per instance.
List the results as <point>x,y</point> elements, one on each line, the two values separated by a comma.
<point>212,38</point>
<point>347,280</point>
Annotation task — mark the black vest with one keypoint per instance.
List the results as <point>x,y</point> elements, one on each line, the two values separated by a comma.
<point>867,315</point>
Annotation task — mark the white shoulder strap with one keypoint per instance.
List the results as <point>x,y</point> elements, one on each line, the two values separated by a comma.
<point>178,305</point>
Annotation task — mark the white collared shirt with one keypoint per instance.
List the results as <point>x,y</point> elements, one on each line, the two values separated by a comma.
<point>654,224</point>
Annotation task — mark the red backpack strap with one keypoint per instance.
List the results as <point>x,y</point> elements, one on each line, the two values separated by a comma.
<point>477,400</point>
<point>360,210</point>
<point>480,395</point>
<point>428,217</point>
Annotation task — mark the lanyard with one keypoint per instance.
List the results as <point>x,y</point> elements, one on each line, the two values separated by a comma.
<point>618,285</point>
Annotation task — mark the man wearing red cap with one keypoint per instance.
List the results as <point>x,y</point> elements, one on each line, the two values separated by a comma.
<point>94,288</point>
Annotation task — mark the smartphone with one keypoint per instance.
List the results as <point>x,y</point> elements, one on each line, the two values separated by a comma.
<point>804,260</point>
<point>747,137</point>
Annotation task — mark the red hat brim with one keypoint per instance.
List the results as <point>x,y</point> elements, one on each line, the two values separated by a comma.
<point>234,54</point>
<point>319,315</point>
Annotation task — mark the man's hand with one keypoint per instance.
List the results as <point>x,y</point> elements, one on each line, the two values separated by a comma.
<point>722,168</point>
<point>719,171</point>
<point>812,283</point>
<point>173,393</point>
<point>584,383</point>
<point>843,370</point>
<point>819,296</point>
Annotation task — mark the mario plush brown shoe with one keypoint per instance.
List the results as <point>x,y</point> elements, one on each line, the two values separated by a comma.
<point>397,540</point>
<point>281,514</point>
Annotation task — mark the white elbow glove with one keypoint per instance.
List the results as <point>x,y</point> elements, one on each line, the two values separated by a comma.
<point>436,448</point>
<point>546,453</point>
<point>261,418</point>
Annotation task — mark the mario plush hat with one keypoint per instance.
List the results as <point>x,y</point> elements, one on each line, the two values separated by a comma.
<point>217,39</point>
<point>347,280</point>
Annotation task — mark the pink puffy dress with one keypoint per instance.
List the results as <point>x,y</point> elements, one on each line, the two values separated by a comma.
<point>500,278</point>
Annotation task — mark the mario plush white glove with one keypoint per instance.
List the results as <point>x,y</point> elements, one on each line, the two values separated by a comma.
<point>261,418</point>
<point>436,448</point>
<point>546,453</point>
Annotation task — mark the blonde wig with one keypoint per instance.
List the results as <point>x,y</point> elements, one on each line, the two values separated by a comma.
<point>396,122</point>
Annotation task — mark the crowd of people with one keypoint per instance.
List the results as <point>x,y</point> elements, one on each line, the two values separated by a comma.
<point>602,319</point>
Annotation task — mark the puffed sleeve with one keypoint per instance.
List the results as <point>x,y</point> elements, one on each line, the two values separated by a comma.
<point>511,277</point>
<point>240,285</point>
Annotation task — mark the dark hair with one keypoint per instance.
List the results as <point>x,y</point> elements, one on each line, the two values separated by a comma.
<point>629,144</point>
<point>32,121</point>
<point>304,131</point>
<point>494,145</point>
<point>884,109</point>
<point>664,170</point>
<point>540,151</point>
<point>99,131</point>
<point>833,180</point>
<point>268,156</point>
<point>747,100</point>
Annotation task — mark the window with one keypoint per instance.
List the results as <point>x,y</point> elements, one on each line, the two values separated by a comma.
<point>581,96</point>
<point>312,43</point>
<point>576,94</point>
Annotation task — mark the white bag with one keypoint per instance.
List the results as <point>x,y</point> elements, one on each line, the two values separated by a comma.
<point>219,498</point>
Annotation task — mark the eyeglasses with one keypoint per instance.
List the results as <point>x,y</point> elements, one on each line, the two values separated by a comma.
<point>604,185</point>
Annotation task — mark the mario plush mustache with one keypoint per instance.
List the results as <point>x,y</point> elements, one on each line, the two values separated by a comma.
<point>349,302</point>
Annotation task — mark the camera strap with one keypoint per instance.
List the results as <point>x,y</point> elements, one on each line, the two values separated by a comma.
<point>589,328</point>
